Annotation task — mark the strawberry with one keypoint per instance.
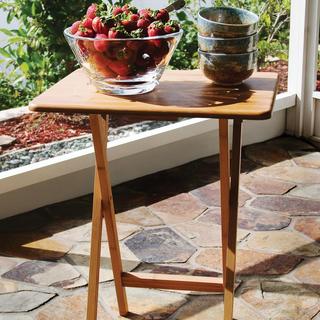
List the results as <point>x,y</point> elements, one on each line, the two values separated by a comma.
<point>102,45</point>
<point>156,29</point>
<point>92,11</point>
<point>134,17</point>
<point>171,27</point>
<point>99,62</point>
<point>98,26</point>
<point>134,44</point>
<point>87,23</point>
<point>75,26</point>
<point>161,52</point>
<point>120,68</point>
<point>118,33</point>
<point>84,32</point>
<point>117,10</point>
<point>127,22</point>
<point>162,15</point>
<point>143,23</point>
<point>129,9</point>
<point>146,13</point>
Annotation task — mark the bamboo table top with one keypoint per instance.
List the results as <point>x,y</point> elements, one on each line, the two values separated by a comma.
<point>180,93</point>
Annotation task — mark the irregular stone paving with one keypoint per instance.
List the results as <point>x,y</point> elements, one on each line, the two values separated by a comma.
<point>169,222</point>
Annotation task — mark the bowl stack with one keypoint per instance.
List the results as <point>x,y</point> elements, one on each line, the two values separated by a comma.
<point>227,44</point>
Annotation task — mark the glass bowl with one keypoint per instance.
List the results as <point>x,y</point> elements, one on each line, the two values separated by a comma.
<point>124,66</point>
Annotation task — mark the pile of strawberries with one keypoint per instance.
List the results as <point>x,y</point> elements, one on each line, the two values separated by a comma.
<point>128,57</point>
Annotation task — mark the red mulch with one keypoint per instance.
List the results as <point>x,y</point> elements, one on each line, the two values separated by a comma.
<point>33,129</point>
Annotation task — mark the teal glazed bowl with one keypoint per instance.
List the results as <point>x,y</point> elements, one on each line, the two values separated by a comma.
<point>228,45</point>
<point>228,69</point>
<point>226,22</point>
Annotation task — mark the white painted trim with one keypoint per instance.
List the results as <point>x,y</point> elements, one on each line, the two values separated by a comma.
<point>316,95</point>
<point>303,49</point>
<point>285,100</point>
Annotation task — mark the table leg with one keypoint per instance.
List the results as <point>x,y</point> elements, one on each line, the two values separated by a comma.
<point>231,220</point>
<point>95,252</point>
<point>99,126</point>
<point>224,189</point>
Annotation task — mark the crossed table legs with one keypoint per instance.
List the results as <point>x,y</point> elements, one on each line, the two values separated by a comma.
<point>103,209</point>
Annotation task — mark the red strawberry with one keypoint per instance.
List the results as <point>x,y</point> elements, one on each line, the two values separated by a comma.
<point>134,17</point>
<point>99,27</point>
<point>120,68</point>
<point>75,26</point>
<point>117,10</point>
<point>156,29</point>
<point>143,23</point>
<point>100,63</point>
<point>129,9</point>
<point>134,44</point>
<point>87,23</point>
<point>117,33</point>
<point>146,13</point>
<point>84,32</point>
<point>102,45</point>
<point>161,52</point>
<point>162,15</point>
<point>129,24</point>
<point>171,27</point>
<point>92,11</point>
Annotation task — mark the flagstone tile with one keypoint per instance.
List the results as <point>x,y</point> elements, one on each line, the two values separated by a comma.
<point>266,154</point>
<point>250,262</point>
<point>292,174</point>
<point>290,205</point>
<point>250,219</point>
<point>282,242</point>
<point>45,273</point>
<point>307,191</point>
<point>180,208</point>
<point>211,307</point>
<point>205,234</point>
<point>280,301</point>
<point>141,216</point>
<point>308,272</point>
<point>160,245</point>
<point>23,300</point>
<point>69,308</point>
<point>210,195</point>
<point>79,258</point>
<point>265,185</point>
<point>145,303</point>
<point>33,245</point>
<point>310,226</point>
<point>7,263</point>
<point>306,159</point>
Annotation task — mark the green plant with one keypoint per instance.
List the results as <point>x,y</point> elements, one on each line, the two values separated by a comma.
<point>37,51</point>
<point>273,25</point>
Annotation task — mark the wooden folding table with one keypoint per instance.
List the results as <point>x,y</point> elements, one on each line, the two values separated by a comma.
<point>185,94</point>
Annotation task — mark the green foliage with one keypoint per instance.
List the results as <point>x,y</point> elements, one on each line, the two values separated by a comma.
<point>37,51</point>
<point>273,26</point>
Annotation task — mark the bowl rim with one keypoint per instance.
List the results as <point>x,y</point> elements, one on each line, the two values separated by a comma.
<point>254,35</point>
<point>228,24</point>
<point>67,33</point>
<point>227,54</point>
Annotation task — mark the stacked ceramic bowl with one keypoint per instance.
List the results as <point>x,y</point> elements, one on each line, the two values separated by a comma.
<point>227,44</point>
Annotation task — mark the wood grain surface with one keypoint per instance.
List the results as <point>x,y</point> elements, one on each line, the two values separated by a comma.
<point>181,93</point>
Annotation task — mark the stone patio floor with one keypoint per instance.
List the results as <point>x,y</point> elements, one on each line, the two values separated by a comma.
<point>170,222</point>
